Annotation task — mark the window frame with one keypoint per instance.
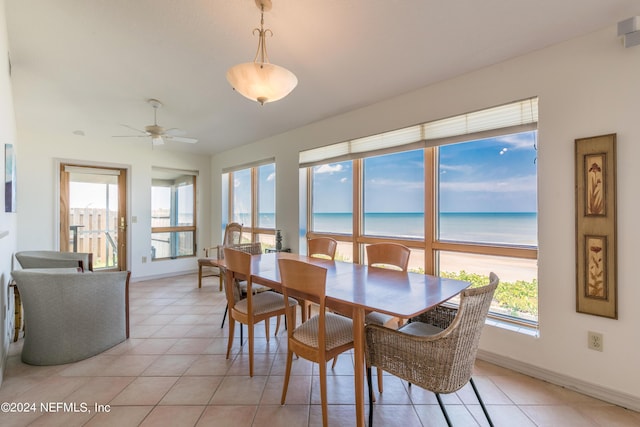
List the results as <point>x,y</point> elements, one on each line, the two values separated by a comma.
<point>178,228</point>
<point>254,231</point>
<point>431,245</point>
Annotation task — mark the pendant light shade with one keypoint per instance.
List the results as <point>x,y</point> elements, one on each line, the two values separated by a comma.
<point>260,80</point>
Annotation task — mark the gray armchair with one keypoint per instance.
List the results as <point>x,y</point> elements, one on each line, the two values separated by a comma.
<point>55,259</point>
<point>72,316</point>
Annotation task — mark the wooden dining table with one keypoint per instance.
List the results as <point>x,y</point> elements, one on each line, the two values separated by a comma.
<point>355,289</point>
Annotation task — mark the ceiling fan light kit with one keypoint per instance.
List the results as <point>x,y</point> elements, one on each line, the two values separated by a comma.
<point>260,80</point>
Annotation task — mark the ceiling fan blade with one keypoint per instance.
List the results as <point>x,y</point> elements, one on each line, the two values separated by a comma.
<point>129,136</point>
<point>175,132</point>
<point>137,130</point>
<point>183,139</point>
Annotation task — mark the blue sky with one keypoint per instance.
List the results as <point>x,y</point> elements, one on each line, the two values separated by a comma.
<point>491,175</point>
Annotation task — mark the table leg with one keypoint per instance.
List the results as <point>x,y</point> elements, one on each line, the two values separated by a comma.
<point>358,355</point>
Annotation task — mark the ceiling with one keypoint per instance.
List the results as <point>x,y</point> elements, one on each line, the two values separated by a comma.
<point>88,66</point>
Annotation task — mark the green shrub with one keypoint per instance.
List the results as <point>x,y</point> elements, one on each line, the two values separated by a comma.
<point>518,297</point>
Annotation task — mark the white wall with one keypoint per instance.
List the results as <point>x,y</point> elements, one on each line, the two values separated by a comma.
<point>38,192</point>
<point>7,220</point>
<point>586,87</point>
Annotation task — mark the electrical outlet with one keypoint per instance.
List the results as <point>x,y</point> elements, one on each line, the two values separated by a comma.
<point>595,341</point>
<point>144,259</point>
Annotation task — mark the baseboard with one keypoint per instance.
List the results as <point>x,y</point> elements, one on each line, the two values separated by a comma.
<point>606,394</point>
<point>165,276</point>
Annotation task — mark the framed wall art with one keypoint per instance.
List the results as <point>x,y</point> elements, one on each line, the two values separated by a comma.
<point>596,263</point>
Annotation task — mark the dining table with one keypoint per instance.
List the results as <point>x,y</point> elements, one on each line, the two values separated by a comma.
<point>355,289</point>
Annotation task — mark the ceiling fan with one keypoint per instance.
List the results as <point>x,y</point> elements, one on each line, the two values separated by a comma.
<point>157,133</point>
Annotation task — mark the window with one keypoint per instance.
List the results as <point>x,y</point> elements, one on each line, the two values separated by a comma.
<point>393,192</point>
<point>251,194</point>
<point>460,192</point>
<point>173,219</point>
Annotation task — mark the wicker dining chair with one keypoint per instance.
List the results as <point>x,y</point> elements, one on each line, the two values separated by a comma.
<point>318,247</point>
<point>322,337</point>
<point>256,307</point>
<point>436,350</point>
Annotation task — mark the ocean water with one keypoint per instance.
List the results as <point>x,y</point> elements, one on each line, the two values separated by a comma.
<point>519,228</point>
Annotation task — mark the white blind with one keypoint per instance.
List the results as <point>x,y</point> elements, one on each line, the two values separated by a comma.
<point>91,170</point>
<point>249,165</point>
<point>513,115</point>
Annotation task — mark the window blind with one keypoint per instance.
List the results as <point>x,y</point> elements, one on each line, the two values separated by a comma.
<point>516,116</point>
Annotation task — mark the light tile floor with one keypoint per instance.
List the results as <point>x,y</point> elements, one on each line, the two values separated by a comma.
<point>173,372</point>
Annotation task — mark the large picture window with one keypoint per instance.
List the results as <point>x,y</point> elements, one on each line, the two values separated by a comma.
<point>173,214</point>
<point>251,194</point>
<point>460,192</point>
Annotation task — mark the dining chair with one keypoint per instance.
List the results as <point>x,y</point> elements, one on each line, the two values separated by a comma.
<point>318,247</point>
<point>322,247</point>
<point>253,249</point>
<point>320,338</point>
<point>254,308</point>
<point>386,255</point>
<point>232,236</point>
<point>436,350</point>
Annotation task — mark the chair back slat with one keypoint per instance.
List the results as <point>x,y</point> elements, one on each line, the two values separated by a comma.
<point>388,254</point>
<point>232,234</point>
<point>323,246</point>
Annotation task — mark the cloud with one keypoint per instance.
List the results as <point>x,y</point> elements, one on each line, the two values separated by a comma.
<point>396,183</point>
<point>329,168</point>
<point>456,168</point>
<point>271,176</point>
<point>518,141</point>
<point>509,185</point>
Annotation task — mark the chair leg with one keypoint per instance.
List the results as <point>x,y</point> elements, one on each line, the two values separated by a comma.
<point>224,316</point>
<point>444,411</point>
<point>232,325</point>
<point>250,328</point>
<point>323,392</point>
<point>484,409</point>
<point>266,328</point>
<point>380,380</point>
<point>287,375</point>
<point>370,388</point>
<point>335,360</point>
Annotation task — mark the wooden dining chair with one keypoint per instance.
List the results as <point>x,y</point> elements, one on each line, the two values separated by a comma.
<point>436,350</point>
<point>253,249</point>
<point>319,247</point>
<point>386,255</point>
<point>322,247</point>
<point>232,236</point>
<point>322,337</point>
<point>254,308</point>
